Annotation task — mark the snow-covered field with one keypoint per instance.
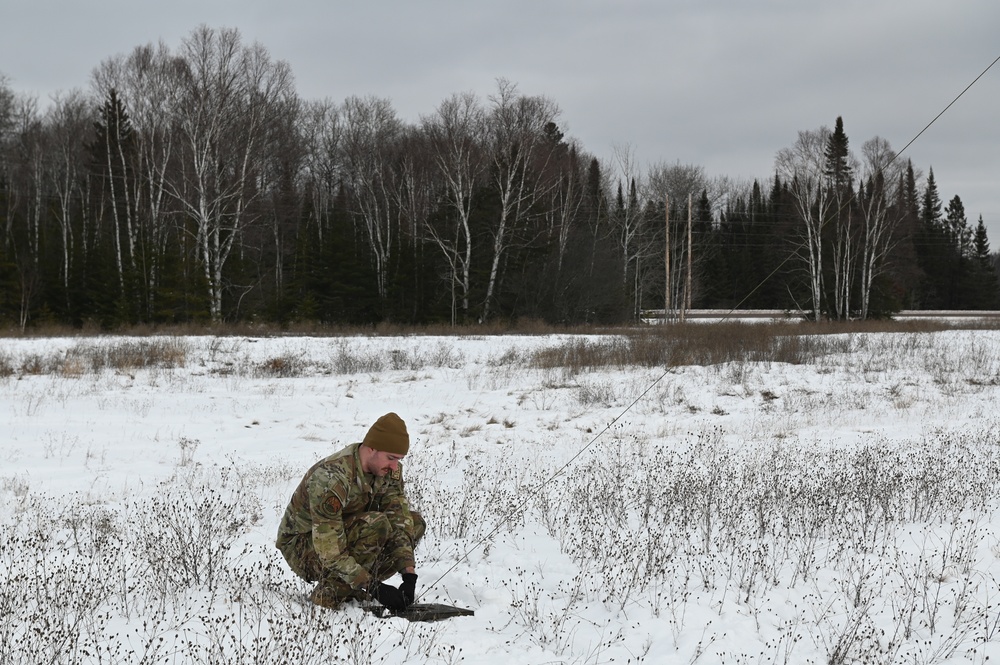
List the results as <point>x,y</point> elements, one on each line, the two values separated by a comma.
<point>842,510</point>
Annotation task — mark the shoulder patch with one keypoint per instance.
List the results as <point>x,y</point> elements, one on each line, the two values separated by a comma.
<point>333,503</point>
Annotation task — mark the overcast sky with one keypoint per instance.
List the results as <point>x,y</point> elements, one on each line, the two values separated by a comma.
<point>722,84</point>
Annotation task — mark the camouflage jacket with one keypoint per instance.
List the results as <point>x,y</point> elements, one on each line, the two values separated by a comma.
<point>333,491</point>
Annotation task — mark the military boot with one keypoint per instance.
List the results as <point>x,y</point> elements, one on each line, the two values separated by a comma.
<point>331,594</point>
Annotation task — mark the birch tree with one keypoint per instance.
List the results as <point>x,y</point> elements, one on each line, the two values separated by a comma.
<point>567,199</point>
<point>7,101</point>
<point>454,133</point>
<point>25,198</point>
<point>70,123</point>
<point>839,176</point>
<point>628,216</point>
<point>234,97</point>
<point>321,127</point>
<point>149,82</point>
<point>114,147</point>
<point>802,167</point>
<point>881,178</point>
<point>519,153</point>
<point>371,136</point>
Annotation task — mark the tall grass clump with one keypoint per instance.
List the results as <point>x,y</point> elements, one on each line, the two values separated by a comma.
<point>132,354</point>
<point>93,356</point>
<point>695,344</point>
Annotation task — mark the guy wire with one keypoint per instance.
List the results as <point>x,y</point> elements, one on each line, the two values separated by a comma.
<point>537,489</point>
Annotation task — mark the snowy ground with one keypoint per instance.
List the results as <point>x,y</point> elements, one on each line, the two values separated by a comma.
<point>838,511</point>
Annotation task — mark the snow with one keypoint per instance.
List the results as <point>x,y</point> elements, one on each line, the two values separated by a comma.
<point>586,515</point>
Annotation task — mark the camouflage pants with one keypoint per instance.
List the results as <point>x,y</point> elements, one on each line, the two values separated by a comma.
<point>369,539</point>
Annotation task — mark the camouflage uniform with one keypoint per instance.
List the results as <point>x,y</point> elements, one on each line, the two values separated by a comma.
<point>344,528</point>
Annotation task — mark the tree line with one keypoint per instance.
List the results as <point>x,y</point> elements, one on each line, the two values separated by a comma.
<point>196,185</point>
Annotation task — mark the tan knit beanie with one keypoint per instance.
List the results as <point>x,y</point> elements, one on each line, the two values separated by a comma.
<point>388,434</point>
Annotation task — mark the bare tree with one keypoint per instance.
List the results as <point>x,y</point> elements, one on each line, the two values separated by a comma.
<point>881,177</point>
<point>802,166</point>
<point>454,132</point>
<point>321,128</point>
<point>371,137</point>
<point>25,175</point>
<point>149,82</point>
<point>416,205</point>
<point>840,165</point>
<point>679,183</point>
<point>628,217</point>
<point>416,172</point>
<point>7,103</point>
<point>234,100</point>
<point>116,145</point>
<point>567,198</point>
<point>281,180</point>
<point>69,122</point>
<point>6,153</point>
<point>519,152</point>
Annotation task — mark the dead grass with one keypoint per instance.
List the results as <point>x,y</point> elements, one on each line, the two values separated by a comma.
<point>671,345</point>
<point>120,356</point>
<point>715,343</point>
<point>279,366</point>
<point>127,355</point>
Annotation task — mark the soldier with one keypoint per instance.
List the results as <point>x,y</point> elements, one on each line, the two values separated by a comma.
<point>348,525</point>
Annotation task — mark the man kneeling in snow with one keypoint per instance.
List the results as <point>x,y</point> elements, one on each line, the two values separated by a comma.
<point>348,525</point>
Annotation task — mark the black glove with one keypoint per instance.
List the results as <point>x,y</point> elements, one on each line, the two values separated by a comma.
<point>389,596</point>
<point>408,588</point>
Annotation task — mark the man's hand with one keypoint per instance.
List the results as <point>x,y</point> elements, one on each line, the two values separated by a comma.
<point>389,596</point>
<point>408,588</point>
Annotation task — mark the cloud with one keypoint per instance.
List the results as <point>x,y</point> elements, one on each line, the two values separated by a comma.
<point>723,84</point>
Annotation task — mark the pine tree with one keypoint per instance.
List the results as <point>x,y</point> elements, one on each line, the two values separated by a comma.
<point>956,227</point>
<point>930,211</point>
<point>959,283</point>
<point>987,284</point>
<point>910,198</point>
<point>837,168</point>
<point>112,155</point>
<point>933,251</point>
<point>907,258</point>
<point>981,243</point>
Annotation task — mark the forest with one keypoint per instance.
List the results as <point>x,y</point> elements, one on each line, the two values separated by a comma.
<point>194,185</point>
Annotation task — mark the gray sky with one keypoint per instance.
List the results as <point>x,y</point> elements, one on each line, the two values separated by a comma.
<point>722,84</point>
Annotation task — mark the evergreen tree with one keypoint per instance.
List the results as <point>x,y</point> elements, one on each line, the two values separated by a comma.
<point>959,284</point>
<point>9,305</point>
<point>986,281</point>
<point>703,219</point>
<point>906,259</point>
<point>113,159</point>
<point>930,211</point>
<point>910,197</point>
<point>956,227</point>
<point>837,167</point>
<point>981,243</point>
<point>933,251</point>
